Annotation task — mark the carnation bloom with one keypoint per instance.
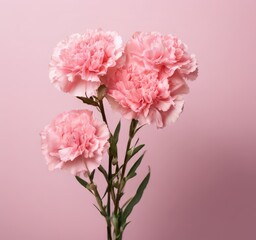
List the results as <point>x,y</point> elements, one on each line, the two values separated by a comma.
<point>165,53</point>
<point>79,61</point>
<point>75,141</point>
<point>149,81</point>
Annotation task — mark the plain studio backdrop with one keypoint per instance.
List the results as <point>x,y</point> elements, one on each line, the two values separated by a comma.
<point>203,184</point>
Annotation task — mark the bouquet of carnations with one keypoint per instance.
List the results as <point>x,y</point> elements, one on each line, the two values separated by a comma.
<point>144,81</point>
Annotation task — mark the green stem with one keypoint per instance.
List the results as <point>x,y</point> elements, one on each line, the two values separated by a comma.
<point>102,209</point>
<point>102,110</point>
<point>97,196</point>
<point>109,226</point>
<point>109,194</point>
<point>121,184</point>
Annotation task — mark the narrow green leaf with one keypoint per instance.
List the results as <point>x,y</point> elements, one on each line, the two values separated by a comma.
<point>120,218</point>
<point>84,183</point>
<point>137,197</point>
<point>88,101</point>
<point>125,225</point>
<point>137,149</point>
<point>136,142</point>
<point>96,207</point>
<point>126,202</point>
<point>92,174</point>
<point>134,150</point>
<point>122,184</point>
<point>117,131</point>
<point>117,173</point>
<point>132,175</point>
<point>113,147</point>
<point>104,172</point>
<point>139,128</point>
<point>99,211</point>
<point>105,193</point>
<point>132,172</point>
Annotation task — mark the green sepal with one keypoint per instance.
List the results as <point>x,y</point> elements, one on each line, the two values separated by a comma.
<point>133,126</point>
<point>101,92</point>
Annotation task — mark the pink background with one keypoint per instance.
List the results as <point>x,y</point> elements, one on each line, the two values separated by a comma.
<point>203,184</point>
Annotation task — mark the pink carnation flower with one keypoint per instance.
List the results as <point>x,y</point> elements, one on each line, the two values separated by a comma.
<point>165,53</point>
<point>149,81</point>
<point>74,141</point>
<point>79,61</point>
